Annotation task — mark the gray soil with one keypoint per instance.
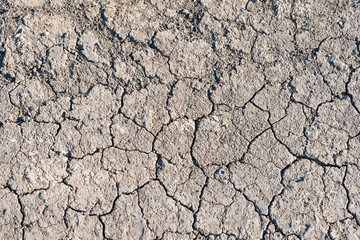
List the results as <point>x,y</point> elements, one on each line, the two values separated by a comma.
<point>180,119</point>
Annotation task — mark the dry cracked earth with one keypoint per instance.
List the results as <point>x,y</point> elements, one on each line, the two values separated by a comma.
<point>187,119</point>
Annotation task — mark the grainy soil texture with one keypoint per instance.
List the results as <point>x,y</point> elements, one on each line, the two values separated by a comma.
<point>179,119</point>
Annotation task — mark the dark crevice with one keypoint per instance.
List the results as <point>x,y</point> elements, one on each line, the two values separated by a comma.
<point>348,197</point>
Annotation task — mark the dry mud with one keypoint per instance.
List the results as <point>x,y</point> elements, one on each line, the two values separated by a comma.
<point>187,119</point>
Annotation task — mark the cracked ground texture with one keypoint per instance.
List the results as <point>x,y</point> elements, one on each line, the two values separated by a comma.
<point>187,119</point>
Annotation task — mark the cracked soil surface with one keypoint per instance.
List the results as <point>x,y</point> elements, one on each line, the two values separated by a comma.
<point>186,119</point>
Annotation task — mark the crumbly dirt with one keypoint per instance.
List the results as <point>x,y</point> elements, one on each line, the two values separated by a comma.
<point>186,119</point>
